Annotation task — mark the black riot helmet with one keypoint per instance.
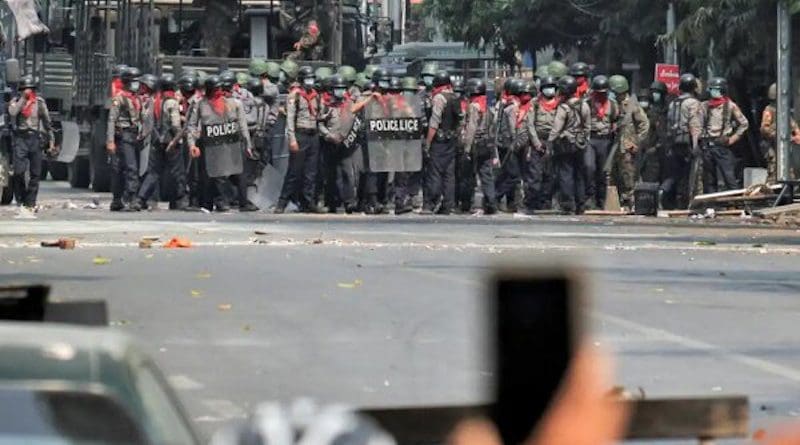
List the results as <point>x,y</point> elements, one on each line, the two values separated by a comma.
<point>227,79</point>
<point>441,79</point>
<point>150,81</point>
<point>116,70</point>
<point>476,87</point>
<point>688,83</point>
<point>395,85</point>
<point>306,72</point>
<point>458,86</point>
<point>381,74</point>
<point>548,81</point>
<point>255,86</point>
<point>600,84</point>
<point>167,82</point>
<point>660,87</point>
<point>187,83</point>
<point>579,69</point>
<point>507,85</point>
<point>338,81</point>
<point>567,86</point>
<point>212,83</point>
<point>527,87</point>
<point>718,83</point>
<point>27,82</point>
<point>516,87</point>
<point>130,74</point>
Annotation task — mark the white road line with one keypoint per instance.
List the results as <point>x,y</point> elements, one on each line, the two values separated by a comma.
<point>184,383</point>
<point>225,409</point>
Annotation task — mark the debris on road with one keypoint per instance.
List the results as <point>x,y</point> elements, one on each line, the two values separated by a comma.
<point>178,243</point>
<point>145,243</point>
<point>705,243</point>
<point>101,261</point>
<point>69,205</point>
<point>353,285</point>
<point>225,307</point>
<point>62,243</point>
<point>261,232</point>
<point>204,275</point>
<point>196,293</point>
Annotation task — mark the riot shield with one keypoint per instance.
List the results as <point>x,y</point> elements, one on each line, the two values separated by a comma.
<point>394,126</point>
<point>223,149</point>
<point>268,186</point>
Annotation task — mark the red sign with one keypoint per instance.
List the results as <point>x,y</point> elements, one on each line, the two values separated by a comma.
<point>670,75</point>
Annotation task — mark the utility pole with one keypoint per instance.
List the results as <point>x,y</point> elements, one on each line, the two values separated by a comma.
<point>671,46</point>
<point>784,87</point>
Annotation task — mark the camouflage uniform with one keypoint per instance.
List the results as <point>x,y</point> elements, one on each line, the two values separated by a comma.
<point>569,138</point>
<point>718,125</point>
<point>769,141</point>
<point>124,129</point>
<point>633,129</point>
<point>27,149</point>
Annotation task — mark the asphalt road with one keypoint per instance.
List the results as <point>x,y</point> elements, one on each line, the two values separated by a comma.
<point>388,311</point>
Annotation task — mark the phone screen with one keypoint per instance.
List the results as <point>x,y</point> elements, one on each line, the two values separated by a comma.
<point>534,345</point>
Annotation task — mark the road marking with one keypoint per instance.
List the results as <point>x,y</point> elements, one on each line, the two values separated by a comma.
<point>184,383</point>
<point>225,409</point>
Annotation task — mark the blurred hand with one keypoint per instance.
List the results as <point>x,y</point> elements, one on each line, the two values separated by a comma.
<point>194,151</point>
<point>294,147</point>
<point>582,413</point>
<point>111,148</point>
<point>495,162</point>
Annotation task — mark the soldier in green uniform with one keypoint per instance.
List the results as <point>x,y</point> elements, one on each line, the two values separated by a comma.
<point>632,130</point>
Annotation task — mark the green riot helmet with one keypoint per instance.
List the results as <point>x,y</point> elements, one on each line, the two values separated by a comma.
<point>289,69</point>
<point>557,69</point>
<point>428,72</point>
<point>410,84</point>
<point>772,92</point>
<point>618,84</point>
<point>361,80</point>
<point>201,78</point>
<point>257,68</point>
<point>323,73</point>
<point>348,73</point>
<point>242,78</point>
<point>369,70</point>
<point>542,72</point>
<point>273,72</point>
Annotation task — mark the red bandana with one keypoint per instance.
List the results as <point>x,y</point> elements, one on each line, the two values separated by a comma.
<point>549,105</point>
<point>116,86</point>
<point>132,97</point>
<point>438,90</point>
<point>464,105</point>
<point>159,100</point>
<point>27,110</point>
<point>714,103</point>
<point>217,101</point>
<point>310,98</point>
<point>601,105</point>
<point>481,101</point>
<point>522,113</point>
<point>583,87</point>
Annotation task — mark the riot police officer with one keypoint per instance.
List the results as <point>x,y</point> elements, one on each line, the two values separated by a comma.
<point>722,126</point>
<point>478,145</point>
<point>569,138</point>
<point>122,142</point>
<point>603,117</point>
<point>301,130</point>
<point>440,148</point>
<point>580,71</point>
<point>166,156</point>
<point>682,161</point>
<point>546,107</point>
<point>654,147</point>
<point>347,162</point>
<point>29,114</point>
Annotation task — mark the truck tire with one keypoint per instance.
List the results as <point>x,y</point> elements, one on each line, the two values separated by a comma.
<point>78,173</point>
<point>7,197</point>
<point>58,170</point>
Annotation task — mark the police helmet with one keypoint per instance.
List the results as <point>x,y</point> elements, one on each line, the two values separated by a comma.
<point>305,72</point>
<point>441,79</point>
<point>369,86</point>
<point>166,82</point>
<point>212,82</point>
<point>130,74</point>
<point>395,85</point>
<point>150,81</point>
<point>688,83</point>
<point>429,69</point>
<point>772,92</point>
<point>323,73</point>
<point>27,82</point>
<point>337,81</point>
<point>348,73</point>
<point>255,86</point>
<point>719,83</point>
<point>579,69</point>
<point>381,74</point>
<point>618,84</point>
<point>242,78</point>
<point>659,86</point>
<point>257,68</point>
<point>458,85</point>
<point>528,87</point>
<point>117,70</point>
<point>369,70</point>
<point>187,83</point>
<point>567,85</point>
<point>476,87</point>
<point>548,81</point>
<point>290,69</point>
<point>273,71</point>
<point>361,80</point>
<point>557,69</point>
<point>516,87</point>
<point>507,85</point>
<point>410,84</point>
<point>600,84</point>
<point>227,78</point>
<point>542,72</point>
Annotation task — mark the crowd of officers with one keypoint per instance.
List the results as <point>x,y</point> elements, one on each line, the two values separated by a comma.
<point>554,142</point>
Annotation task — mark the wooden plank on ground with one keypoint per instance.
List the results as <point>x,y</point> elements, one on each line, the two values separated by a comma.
<point>605,213</point>
<point>685,418</point>
<point>775,211</point>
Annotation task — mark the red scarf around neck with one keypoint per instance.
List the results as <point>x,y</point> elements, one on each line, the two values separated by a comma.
<point>481,101</point>
<point>132,97</point>
<point>439,90</point>
<point>714,103</point>
<point>160,97</point>
<point>601,105</point>
<point>549,105</point>
<point>27,110</point>
<point>464,105</point>
<point>522,113</point>
<point>583,87</point>
<point>116,86</point>
<point>309,96</point>
<point>217,101</point>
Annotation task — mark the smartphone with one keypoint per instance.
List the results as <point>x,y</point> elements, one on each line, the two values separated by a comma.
<point>537,330</point>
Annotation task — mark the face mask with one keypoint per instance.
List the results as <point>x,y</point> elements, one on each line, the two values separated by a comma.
<point>538,83</point>
<point>282,77</point>
<point>428,80</point>
<point>134,87</point>
<point>308,83</point>
<point>656,97</point>
<point>715,93</point>
<point>549,92</point>
<point>644,104</point>
<point>339,93</point>
<point>409,94</point>
<point>382,84</point>
<point>612,95</point>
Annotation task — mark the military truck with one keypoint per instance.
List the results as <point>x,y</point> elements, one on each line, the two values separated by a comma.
<point>89,37</point>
